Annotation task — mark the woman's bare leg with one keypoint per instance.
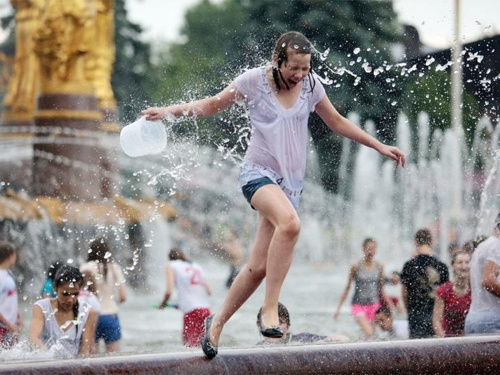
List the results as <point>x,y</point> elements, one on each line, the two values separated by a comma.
<point>113,347</point>
<point>277,234</point>
<point>247,281</point>
<point>273,204</point>
<point>365,325</point>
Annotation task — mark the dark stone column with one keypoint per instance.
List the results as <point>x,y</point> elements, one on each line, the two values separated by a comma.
<point>17,171</point>
<point>109,125</point>
<point>68,160</point>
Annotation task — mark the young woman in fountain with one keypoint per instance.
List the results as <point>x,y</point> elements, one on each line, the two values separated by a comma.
<point>64,324</point>
<point>369,280</point>
<point>280,98</point>
<point>192,290</point>
<point>111,290</point>
<point>453,299</point>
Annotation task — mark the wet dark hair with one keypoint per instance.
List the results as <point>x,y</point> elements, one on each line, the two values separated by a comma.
<point>291,41</point>
<point>455,255</point>
<point>69,274</point>
<point>367,240</point>
<point>177,254</point>
<point>423,237</point>
<point>283,314</point>
<point>99,252</point>
<point>6,250</point>
<point>477,240</point>
<point>468,247</point>
<point>383,310</point>
<point>53,268</point>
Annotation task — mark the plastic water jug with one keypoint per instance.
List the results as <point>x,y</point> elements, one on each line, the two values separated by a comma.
<point>143,137</point>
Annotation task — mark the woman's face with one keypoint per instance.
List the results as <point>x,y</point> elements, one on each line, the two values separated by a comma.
<point>67,294</point>
<point>295,68</point>
<point>461,267</point>
<point>370,249</point>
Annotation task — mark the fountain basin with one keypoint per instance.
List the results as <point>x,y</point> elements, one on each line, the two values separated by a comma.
<point>473,354</point>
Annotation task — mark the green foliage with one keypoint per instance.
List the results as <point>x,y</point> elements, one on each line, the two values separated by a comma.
<point>203,66</point>
<point>431,93</point>
<point>8,48</point>
<point>131,79</point>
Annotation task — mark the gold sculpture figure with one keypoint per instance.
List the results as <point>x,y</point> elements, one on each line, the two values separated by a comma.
<point>62,40</point>
<point>23,83</point>
<point>100,60</point>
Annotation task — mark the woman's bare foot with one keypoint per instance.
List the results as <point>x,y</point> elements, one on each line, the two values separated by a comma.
<point>269,325</point>
<point>270,319</point>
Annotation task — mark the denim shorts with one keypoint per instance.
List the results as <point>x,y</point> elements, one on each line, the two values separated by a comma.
<point>108,328</point>
<point>254,176</point>
<point>482,322</point>
<point>252,186</point>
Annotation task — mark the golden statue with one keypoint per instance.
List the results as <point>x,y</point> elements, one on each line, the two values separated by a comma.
<point>100,60</point>
<point>62,40</point>
<point>23,83</point>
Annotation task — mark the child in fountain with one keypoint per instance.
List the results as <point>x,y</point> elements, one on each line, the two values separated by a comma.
<point>64,324</point>
<point>420,278</point>
<point>368,278</point>
<point>453,299</point>
<point>110,281</point>
<point>10,318</point>
<point>280,98</point>
<point>193,291</point>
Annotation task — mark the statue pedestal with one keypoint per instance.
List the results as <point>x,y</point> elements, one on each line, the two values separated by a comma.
<point>16,131</point>
<point>69,161</point>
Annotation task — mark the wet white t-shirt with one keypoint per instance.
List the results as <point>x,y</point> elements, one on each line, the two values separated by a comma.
<point>91,299</point>
<point>279,136</point>
<point>62,341</point>
<point>482,300</point>
<point>190,284</point>
<point>8,297</point>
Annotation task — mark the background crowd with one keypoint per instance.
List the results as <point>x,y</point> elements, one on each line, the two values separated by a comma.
<point>79,306</point>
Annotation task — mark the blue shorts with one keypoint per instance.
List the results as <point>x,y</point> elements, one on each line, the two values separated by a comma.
<point>108,328</point>
<point>252,186</point>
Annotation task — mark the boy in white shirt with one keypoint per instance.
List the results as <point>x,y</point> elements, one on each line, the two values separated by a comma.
<point>10,318</point>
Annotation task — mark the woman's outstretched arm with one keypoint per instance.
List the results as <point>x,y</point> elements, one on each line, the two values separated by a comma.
<point>199,108</point>
<point>88,336</point>
<point>170,286</point>
<point>437,317</point>
<point>36,328</point>
<point>340,125</point>
<point>350,279</point>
